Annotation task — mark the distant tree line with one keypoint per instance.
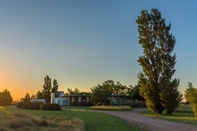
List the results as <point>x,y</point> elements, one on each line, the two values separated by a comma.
<point>102,92</point>
<point>76,91</point>
<point>48,88</point>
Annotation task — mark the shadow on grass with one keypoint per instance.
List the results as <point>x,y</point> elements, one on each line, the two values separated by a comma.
<point>183,117</point>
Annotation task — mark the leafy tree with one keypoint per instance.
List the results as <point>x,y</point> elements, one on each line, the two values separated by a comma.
<point>108,88</point>
<point>22,99</point>
<point>191,97</point>
<point>46,95</point>
<point>47,83</point>
<point>76,91</point>
<point>9,97</point>
<point>69,91</point>
<point>33,97</point>
<point>27,98</point>
<point>73,92</point>
<point>101,93</point>
<point>47,88</point>
<point>55,87</point>
<point>134,93</point>
<point>5,98</point>
<point>156,84</point>
<point>119,88</point>
<point>39,95</point>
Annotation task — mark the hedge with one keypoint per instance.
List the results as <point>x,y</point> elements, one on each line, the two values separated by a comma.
<point>30,105</point>
<point>38,106</point>
<point>54,106</point>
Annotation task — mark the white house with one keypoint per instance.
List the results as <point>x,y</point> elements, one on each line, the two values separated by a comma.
<point>70,99</point>
<point>60,99</point>
<point>38,100</point>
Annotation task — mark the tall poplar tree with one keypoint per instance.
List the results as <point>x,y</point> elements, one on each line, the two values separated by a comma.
<point>55,87</point>
<point>47,88</point>
<point>157,86</point>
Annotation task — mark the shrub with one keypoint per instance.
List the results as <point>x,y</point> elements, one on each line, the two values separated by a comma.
<point>54,106</point>
<point>134,103</point>
<point>30,105</point>
<point>38,106</point>
<point>191,97</point>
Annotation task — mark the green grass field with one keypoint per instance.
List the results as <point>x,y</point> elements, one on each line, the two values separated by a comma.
<point>184,108</point>
<point>111,108</point>
<point>182,114</point>
<point>75,107</point>
<point>93,121</point>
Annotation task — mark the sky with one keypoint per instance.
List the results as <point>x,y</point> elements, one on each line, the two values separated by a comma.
<point>82,43</point>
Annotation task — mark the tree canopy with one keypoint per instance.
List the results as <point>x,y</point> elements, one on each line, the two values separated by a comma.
<point>133,93</point>
<point>5,98</point>
<point>47,88</point>
<point>76,91</point>
<point>55,87</point>
<point>102,92</point>
<point>157,86</point>
<point>191,97</point>
<point>39,95</point>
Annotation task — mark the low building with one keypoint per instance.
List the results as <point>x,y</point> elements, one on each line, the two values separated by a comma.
<point>38,100</point>
<point>117,99</point>
<point>81,99</point>
<point>70,100</point>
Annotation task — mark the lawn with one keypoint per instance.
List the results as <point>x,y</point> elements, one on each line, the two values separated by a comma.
<point>93,121</point>
<point>182,114</point>
<point>89,108</point>
<point>111,108</point>
<point>76,107</point>
<point>184,108</point>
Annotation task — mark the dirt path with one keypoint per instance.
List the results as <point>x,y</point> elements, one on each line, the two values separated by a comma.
<point>149,123</point>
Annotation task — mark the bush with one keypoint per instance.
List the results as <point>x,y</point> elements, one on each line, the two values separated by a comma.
<point>82,103</point>
<point>134,103</point>
<point>30,105</point>
<point>191,97</point>
<point>38,106</point>
<point>54,106</point>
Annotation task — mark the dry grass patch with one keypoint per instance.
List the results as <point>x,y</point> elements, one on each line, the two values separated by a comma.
<point>111,108</point>
<point>23,122</point>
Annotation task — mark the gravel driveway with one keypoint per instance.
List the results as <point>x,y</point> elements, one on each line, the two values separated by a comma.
<point>149,123</point>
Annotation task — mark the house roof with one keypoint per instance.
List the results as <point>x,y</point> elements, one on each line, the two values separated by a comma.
<point>84,94</point>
